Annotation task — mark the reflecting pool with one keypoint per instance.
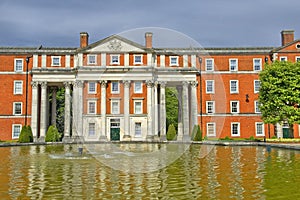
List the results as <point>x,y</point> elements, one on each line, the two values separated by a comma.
<point>192,172</point>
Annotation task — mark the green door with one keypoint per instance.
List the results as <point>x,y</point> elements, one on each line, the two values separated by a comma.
<point>287,132</point>
<point>115,129</point>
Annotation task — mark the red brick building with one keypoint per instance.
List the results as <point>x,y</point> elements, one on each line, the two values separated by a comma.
<point>115,89</point>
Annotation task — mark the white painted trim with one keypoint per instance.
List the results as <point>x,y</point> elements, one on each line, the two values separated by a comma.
<point>89,56</point>
<point>111,106</point>
<point>238,107</point>
<point>18,81</point>
<point>213,87</point>
<point>176,59</point>
<point>115,92</point>
<point>68,61</point>
<point>14,107</point>
<point>54,64</point>
<point>126,59</point>
<point>213,107</point>
<point>237,87</point>
<point>263,129</point>
<point>213,64</point>
<point>214,127</point>
<point>260,61</point>
<point>92,92</point>
<point>12,130</point>
<point>88,107</point>
<point>238,130</point>
<point>135,56</point>
<point>185,61</point>
<point>114,56</point>
<point>255,91</point>
<point>162,61</point>
<point>138,92</point>
<point>256,104</point>
<point>237,64</point>
<point>134,106</point>
<point>15,65</point>
<point>103,59</point>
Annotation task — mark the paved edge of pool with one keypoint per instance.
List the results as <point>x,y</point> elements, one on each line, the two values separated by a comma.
<point>293,146</point>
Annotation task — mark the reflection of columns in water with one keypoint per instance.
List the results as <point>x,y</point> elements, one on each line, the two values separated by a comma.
<point>53,107</point>
<point>103,111</point>
<point>213,183</point>
<point>185,108</point>
<point>34,110</point>
<point>236,183</point>
<point>67,110</point>
<point>126,109</point>
<point>163,114</point>
<point>43,118</point>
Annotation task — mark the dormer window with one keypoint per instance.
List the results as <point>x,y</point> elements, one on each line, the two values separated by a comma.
<point>92,59</point>
<point>55,61</point>
<point>173,60</point>
<point>115,59</point>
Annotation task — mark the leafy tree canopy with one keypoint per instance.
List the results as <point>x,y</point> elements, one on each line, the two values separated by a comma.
<point>279,94</point>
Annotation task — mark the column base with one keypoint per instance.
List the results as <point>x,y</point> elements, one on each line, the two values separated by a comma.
<point>186,138</point>
<point>103,138</point>
<point>149,138</point>
<point>35,139</point>
<point>126,138</point>
<point>163,138</point>
<point>67,139</point>
<point>156,138</point>
<point>41,139</point>
<point>77,139</point>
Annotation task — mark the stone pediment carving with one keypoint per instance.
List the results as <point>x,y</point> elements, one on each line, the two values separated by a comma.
<point>115,44</point>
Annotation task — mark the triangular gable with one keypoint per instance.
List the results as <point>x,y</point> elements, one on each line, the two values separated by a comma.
<point>293,46</point>
<point>114,43</point>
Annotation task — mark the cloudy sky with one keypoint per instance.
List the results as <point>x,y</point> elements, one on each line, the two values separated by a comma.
<point>212,23</point>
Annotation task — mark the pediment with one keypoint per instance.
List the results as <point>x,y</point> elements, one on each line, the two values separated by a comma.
<point>115,44</point>
<point>290,47</point>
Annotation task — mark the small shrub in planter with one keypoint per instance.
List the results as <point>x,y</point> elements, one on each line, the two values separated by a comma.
<point>26,135</point>
<point>171,134</point>
<point>197,133</point>
<point>52,134</point>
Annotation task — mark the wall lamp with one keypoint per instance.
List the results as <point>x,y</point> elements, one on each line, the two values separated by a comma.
<point>247,98</point>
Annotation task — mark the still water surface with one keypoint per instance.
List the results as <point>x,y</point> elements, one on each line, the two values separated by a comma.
<point>59,172</point>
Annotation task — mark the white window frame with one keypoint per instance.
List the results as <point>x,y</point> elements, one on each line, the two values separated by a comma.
<point>14,108</point>
<point>113,57</point>
<point>15,65</point>
<point>237,107</point>
<point>91,61</point>
<point>138,90</point>
<point>13,130</point>
<point>92,129</point>
<point>212,64</point>
<point>137,62</point>
<point>238,129</point>
<point>260,64</point>
<point>236,66</point>
<point>297,59</point>
<point>15,87</point>
<point>262,128</point>
<point>138,132</point>
<point>213,86</point>
<point>115,91</point>
<point>89,107</point>
<point>255,86</point>
<point>236,91</point>
<point>176,59</point>
<point>135,102</point>
<point>55,64</point>
<point>212,105</point>
<point>90,91</point>
<point>256,107</point>
<point>214,129</point>
<point>117,111</point>
<point>282,58</point>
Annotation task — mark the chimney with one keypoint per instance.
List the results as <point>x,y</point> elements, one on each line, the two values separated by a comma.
<point>287,36</point>
<point>84,39</point>
<point>148,39</point>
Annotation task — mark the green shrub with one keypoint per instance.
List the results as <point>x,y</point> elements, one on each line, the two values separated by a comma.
<point>171,134</point>
<point>26,135</point>
<point>197,133</point>
<point>52,134</point>
<point>251,138</point>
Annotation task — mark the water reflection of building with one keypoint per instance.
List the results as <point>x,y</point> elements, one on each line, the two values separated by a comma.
<point>115,89</point>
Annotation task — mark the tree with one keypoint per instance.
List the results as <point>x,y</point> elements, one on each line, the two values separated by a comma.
<point>171,107</point>
<point>196,133</point>
<point>52,134</point>
<point>279,94</point>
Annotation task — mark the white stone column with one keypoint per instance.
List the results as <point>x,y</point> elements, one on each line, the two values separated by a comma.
<point>67,112</point>
<point>126,110</point>
<point>34,110</point>
<point>279,130</point>
<point>180,124</point>
<point>53,107</point>
<point>43,118</point>
<point>185,110</point>
<point>103,136</point>
<point>74,110</point>
<point>194,109</point>
<point>163,114</point>
<point>156,111</point>
<point>80,109</point>
<point>149,110</point>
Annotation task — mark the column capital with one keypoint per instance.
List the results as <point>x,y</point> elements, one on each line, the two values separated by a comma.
<point>194,83</point>
<point>149,83</point>
<point>44,84</point>
<point>103,83</point>
<point>78,84</point>
<point>67,84</point>
<point>185,83</point>
<point>126,83</point>
<point>34,84</point>
<point>163,84</point>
